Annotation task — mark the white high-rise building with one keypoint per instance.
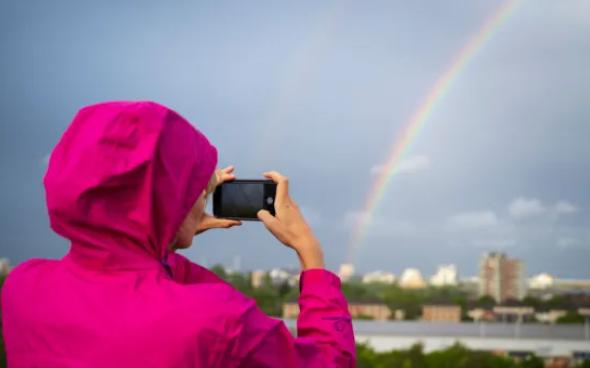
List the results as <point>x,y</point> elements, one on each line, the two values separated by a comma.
<point>412,279</point>
<point>257,278</point>
<point>346,271</point>
<point>501,277</point>
<point>541,281</point>
<point>446,275</point>
<point>379,276</point>
<point>278,275</point>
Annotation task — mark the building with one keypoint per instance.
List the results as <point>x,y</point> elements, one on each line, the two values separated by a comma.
<point>4,266</point>
<point>379,276</point>
<point>571,286</point>
<point>346,271</point>
<point>584,312</point>
<point>290,310</point>
<point>376,311</point>
<point>412,279</point>
<point>550,316</point>
<point>257,278</point>
<point>544,285</point>
<point>541,281</point>
<point>446,275</point>
<point>505,313</point>
<point>441,313</point>
<point>399,314</point>
<point>481,314</point>
<point>278,276</point>
<point>294,279</point>
<point>501,277</point>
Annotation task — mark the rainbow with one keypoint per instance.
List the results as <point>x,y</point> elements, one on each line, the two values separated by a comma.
<point>402,143</point>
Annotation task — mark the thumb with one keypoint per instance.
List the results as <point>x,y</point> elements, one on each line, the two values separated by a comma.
<point>230,223</point>
<point>269,220</point>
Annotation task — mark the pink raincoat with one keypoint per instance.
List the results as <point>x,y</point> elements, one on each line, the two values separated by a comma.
<point>119,183</point>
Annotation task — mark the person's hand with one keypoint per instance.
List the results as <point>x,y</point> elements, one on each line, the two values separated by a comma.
<point>209,221</point>
<point>223,175</point>
<point>289,226</point>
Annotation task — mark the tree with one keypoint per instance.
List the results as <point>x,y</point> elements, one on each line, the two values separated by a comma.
<point>456,356</point>
<point>409,300</point>
<point>485,302</point>
<point>584,364</point>
<point>531,301</point>
<point>571,317</point>
<point>366,357</point>
<point>532,361</point>
<point>219,271</point>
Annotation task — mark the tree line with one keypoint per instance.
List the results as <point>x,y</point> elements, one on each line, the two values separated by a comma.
<point>456,356</point>
<point>271,296</point>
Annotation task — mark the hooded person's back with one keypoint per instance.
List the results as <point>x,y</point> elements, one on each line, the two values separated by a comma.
<point>119,184</point>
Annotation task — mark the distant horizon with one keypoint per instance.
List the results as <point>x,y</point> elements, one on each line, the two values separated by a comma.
<point>426,276</point>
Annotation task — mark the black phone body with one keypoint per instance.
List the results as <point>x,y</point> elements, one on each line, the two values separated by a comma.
<point>241,199</point>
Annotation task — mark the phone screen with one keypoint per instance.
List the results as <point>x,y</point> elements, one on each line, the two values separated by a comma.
<point>242,199</point>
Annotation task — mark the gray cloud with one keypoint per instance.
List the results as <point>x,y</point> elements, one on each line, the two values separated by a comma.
<point>525,207</point>
<point>473,220</point>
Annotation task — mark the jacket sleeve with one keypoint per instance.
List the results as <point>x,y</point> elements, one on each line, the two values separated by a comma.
<point>325,336</point>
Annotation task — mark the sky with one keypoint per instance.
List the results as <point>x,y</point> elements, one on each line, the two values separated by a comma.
<point>319,90</point>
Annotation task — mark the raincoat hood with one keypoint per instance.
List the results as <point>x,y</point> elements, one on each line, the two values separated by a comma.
<point>122,179</point>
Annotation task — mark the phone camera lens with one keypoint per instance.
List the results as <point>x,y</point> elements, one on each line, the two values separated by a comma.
<point>269,200</point>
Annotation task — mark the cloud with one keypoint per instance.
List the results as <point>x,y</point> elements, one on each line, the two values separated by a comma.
<point>523,207</point>
<point>473,220</point>
<point>564,207</point>
<point>526,207</point>
<point>411,165</point>
<point>566,242</point>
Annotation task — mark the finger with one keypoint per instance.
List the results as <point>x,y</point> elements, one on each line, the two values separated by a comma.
<point>227,224</point>
<point>223,224</point>
<point>229,169</point>
<point>212,218</point>
<point>232,223</point>
<point>227,177</point>
<point>268,220</point>
<point>282,184</point>
<point>213,221</point>
<point>225,174</point>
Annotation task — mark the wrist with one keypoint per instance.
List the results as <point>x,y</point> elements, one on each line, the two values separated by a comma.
<point>310,255</point>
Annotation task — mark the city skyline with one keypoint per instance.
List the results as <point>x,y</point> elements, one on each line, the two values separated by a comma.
<point>319,92</point>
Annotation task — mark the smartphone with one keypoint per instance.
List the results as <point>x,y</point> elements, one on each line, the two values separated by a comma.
<point>241,199</point>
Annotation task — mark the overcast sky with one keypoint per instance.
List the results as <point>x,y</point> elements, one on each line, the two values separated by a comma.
<point>319,91</point>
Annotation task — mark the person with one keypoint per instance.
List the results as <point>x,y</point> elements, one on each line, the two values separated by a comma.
<point>127,185</point>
